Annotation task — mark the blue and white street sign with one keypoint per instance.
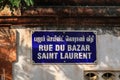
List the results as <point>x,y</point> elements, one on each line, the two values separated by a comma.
<point>63,47</point>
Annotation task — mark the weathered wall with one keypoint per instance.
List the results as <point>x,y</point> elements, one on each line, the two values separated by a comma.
<point>108,38</point>
<point>7,11</point>
<point>108,52</point>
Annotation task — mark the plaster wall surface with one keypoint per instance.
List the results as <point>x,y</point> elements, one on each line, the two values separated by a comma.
<point>108,56</point>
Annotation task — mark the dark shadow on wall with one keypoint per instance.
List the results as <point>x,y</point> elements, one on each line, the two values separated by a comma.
<point>72,72</point>
<point>41,74</point>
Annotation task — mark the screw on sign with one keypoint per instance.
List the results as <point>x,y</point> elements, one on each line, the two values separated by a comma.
<point>8,52</point>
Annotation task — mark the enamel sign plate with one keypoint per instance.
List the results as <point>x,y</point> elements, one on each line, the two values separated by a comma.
<point>63,47</point>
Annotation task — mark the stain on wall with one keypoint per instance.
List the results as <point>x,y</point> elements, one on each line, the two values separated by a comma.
<point>7,52</point>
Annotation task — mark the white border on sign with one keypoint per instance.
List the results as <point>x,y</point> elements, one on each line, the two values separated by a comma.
<point>94,63</point>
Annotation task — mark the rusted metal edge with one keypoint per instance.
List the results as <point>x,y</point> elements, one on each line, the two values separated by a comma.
<point>73,11</point>
<point>57,20</point>
<point>77,2</point>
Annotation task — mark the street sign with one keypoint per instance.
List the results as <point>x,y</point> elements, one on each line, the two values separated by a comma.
<point>63,47</point>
